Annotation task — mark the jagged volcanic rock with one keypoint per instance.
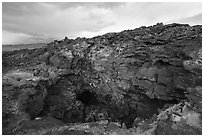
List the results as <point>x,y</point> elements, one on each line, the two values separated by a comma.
<point>121,77</point>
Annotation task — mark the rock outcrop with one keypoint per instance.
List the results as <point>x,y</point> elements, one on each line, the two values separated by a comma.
<point>142,81</point>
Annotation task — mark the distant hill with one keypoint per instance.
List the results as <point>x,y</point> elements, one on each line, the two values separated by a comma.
<point>22,46</point>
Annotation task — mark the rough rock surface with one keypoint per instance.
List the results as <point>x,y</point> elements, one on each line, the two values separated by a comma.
<point>142,81</point>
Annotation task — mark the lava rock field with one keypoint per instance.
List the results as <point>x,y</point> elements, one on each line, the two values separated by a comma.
<point>142,81</point>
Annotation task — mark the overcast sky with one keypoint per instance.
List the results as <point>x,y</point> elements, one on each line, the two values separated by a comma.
<point>44,22</point>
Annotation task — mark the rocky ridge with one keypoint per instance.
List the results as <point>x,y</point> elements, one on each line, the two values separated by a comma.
<point>142,81</point>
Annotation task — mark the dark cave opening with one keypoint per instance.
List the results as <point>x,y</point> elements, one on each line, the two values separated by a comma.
<point>147,107</point>
<point>88,98</point>
<point>127,113</point>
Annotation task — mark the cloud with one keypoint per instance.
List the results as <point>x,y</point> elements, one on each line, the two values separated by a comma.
<point>106,5</point>
<point>47,21</point>
<point>22,38</point>
<point>196,19</point>
<point>10,38</point>
<point>61,22</point>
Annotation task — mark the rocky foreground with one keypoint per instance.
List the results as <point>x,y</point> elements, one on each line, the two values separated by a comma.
<point>142,81</point>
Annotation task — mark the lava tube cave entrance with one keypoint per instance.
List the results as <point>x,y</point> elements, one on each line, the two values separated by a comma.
<point>88,98</point>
